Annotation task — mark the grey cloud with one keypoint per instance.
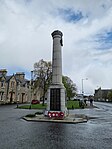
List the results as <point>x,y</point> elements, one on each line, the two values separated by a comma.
<point>25,38</point>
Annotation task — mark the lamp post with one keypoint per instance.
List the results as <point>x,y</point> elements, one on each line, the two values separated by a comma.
<point>31,88</point>
<point>83,85</point>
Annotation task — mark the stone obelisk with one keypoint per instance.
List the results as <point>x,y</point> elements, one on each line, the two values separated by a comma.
<point>56,91</point>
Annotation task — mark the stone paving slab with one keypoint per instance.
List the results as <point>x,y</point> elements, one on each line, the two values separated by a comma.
<point>71,119</point>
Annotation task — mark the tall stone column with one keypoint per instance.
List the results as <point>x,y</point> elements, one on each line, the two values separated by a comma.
<point>57,58</point>
<point>56,91</point>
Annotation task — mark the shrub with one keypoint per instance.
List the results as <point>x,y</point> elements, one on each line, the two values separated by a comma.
<point>38,113</point>
<point>30,115</point>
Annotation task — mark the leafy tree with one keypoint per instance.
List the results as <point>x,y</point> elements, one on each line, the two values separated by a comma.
<point>42,75</point>
<point>70,87</point>
<point>109,96</point>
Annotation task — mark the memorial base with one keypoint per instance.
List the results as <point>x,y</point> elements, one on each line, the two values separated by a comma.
<point>56,99</point>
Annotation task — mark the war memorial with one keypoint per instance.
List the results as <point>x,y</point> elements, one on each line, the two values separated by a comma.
<point>56,91</point>
<point>56,110</point>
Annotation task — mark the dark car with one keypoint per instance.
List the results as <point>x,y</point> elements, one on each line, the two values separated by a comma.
<point>35,101</point>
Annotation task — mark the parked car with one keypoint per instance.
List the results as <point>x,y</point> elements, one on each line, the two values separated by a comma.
<point>79,97</point>
<point>35,101</point>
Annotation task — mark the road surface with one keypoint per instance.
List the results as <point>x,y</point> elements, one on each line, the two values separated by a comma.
<point>15,133</point>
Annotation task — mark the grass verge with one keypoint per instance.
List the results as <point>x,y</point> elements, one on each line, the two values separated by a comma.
<point>70,105</point>
<point>33,106</point>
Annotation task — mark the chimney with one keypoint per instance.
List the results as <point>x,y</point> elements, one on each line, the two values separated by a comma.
<point>3,72</point>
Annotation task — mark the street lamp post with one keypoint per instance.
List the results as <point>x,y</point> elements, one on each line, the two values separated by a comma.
<point>83,86</point>
<point>31,88</point>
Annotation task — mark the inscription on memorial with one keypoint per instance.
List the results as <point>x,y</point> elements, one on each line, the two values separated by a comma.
<point>55,99</point>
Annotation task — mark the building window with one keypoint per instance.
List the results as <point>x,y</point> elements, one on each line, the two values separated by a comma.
<point>12,84</point>
<point>2,84</point>
<point>1,95</point>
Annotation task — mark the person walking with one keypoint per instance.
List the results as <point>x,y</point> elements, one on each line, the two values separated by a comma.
<point>91,101</point>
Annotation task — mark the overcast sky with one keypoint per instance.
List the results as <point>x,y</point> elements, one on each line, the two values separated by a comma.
<point>25,38</point>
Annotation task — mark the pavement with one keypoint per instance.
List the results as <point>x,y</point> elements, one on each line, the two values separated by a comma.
<point>71,119</point>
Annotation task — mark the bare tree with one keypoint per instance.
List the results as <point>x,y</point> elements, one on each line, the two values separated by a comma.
<point>42,76</point>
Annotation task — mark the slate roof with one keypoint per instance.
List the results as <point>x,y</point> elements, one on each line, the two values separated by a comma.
<point>8,78</point>
<point>23,82</point>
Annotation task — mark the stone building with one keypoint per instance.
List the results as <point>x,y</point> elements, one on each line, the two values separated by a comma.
<point>101,94</point>
<point>14,88</point>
